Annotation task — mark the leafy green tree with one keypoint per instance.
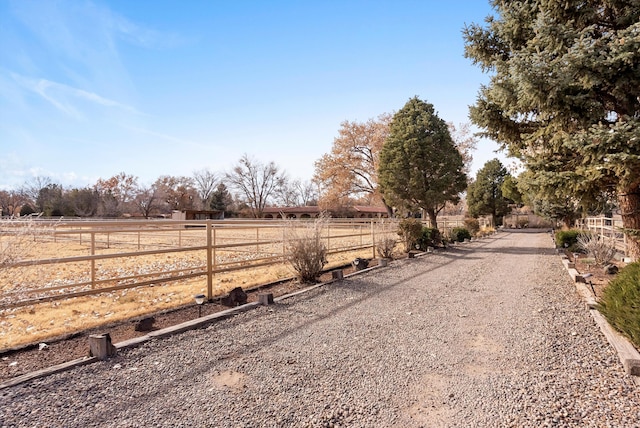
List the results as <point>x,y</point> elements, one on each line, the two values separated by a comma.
<point>563,96</point>
<point>557,206</point>
<point>85,202</point>
<point>484,195</point>
<point>419,164</point>
<point>510,190</point>
<point>51,201</point>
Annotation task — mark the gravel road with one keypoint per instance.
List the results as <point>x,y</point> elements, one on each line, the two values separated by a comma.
<point>490,333</point>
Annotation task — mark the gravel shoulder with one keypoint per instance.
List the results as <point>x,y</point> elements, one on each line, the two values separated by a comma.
<point>491,333</point>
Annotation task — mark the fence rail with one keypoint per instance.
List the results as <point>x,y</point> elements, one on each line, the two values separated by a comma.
<point>120,254</point>
<point>606,228</point>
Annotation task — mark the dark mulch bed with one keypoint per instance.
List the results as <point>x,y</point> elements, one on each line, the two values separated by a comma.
<point>599,279</point>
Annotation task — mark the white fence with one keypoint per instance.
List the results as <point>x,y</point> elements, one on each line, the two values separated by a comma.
<point>606,228</point>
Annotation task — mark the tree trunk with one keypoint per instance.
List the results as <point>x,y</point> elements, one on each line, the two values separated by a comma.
<point>630,209</point>
<point>432,218</point>
<point>388,208</point>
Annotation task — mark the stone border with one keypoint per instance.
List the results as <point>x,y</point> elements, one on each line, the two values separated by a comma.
<point>629,356</point>
<point>165,332</point>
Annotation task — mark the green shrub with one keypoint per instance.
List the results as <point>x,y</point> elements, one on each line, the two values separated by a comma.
<point>430,238</point>
<point>26,210</point>
<point>568,239</point>
<point>620,303</point>
<point>410,230</point>
<point>459,234</point>
<point>472,225</point>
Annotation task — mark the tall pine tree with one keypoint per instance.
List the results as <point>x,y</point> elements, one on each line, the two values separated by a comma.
<point>564,96</point>
<point>420,167</point>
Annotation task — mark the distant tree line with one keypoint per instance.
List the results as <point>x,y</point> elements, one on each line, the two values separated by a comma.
<point>242,192</point>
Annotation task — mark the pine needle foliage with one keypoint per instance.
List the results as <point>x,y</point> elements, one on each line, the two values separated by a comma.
<point>620,303</point>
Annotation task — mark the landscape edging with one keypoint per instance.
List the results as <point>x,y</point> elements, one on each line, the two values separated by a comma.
<point>627,353</point>
<point>165,332</point>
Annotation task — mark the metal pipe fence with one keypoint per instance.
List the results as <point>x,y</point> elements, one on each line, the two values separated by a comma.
<point>124,254</point>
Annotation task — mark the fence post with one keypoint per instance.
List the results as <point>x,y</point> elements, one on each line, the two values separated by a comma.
<point>209,262</point>
<point>93,261</point>
<point>284,242</point>
<point>373,240</point>
<point>215,263</point>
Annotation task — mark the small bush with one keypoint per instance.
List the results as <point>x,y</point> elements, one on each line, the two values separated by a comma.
<point>385,240</point>
<point>410,231</point>
<point>602,250</point>
<point>619,303</point>
<point>430,238</point>
<point>306,250</point>
<point>459,234</point>
<point>568,239</point>
<point>472,225</point>
<point>486,231</point>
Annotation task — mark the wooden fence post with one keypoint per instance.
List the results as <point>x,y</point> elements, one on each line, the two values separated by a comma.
<point>373,240</point>
<point>93,261</point>
<point>209,263</point>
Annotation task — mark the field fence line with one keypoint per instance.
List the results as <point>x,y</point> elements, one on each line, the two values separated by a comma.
<point>211,247</point>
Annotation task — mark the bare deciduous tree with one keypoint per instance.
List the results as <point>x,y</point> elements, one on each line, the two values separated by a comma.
<point>307,191</point>
<point>31,189</point>
<point>178,193</point>
<point>257,182</point>
<point>350,170</point>
<point>10,202</point>
<point>205,183</point>
<point>146,200</point>
<point>117,192</point>
<point>465,141</point>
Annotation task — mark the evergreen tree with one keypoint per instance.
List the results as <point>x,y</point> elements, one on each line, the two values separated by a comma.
<point>221,199</point>
<point>563,96</point>
<point>419,164</point>
<point>484,195</point>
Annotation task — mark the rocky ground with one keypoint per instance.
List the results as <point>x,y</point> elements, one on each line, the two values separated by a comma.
<point>491,333</point>
<point>57,350</point>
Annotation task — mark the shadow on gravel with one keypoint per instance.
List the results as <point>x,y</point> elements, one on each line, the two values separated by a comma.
<point>359,284</point>
<point>204,366</point>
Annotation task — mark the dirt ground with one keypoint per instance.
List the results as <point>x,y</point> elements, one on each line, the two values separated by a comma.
<point>26,359</point>
<point>599,280</point>
<point>37,323</point>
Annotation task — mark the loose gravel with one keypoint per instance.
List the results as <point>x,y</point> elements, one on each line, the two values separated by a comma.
<point>490,333</point>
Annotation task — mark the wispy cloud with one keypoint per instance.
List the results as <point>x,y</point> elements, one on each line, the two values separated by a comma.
<point>169,137</point>
<point>63,96</point>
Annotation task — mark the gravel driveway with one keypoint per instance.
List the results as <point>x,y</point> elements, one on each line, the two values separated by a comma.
<point>491,333</point>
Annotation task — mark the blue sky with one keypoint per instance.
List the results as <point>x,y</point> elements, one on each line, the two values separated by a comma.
<point>92,88</point>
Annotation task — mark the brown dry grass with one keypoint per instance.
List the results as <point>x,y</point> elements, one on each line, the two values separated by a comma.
<point>38,323</point>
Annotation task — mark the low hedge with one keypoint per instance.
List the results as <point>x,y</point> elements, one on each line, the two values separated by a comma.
<point>430,238</point>
<point>459,234</point>
<point>620,303</point>
<point>568,239</point>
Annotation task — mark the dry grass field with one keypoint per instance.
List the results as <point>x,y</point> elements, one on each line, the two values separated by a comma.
<point>127,257</point>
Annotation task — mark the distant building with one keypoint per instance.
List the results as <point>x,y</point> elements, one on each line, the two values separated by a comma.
<point>358,211</point>
<point>197,215</point>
